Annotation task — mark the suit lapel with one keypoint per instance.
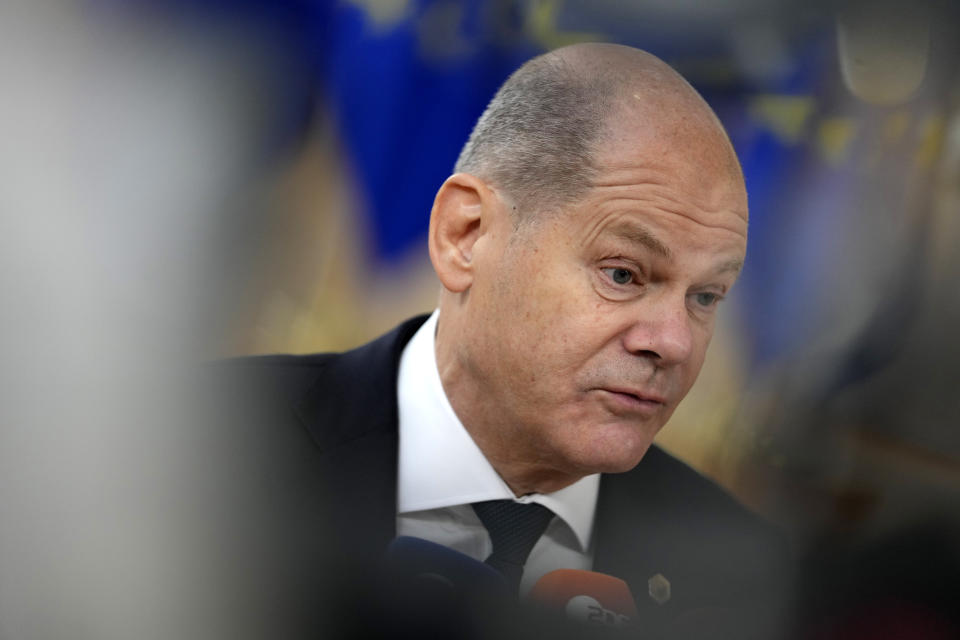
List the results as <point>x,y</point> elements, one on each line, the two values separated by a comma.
<point>619,509</point>
<point>350,411</point>
<point>633,528</point>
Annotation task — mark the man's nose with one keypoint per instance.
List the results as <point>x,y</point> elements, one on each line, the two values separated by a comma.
<point>662,331</point>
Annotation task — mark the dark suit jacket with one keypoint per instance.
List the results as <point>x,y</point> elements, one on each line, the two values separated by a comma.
<point>324,437</point>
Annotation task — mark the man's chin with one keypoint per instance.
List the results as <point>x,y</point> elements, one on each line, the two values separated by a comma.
<point>619,466</point>
<point>619,461</point>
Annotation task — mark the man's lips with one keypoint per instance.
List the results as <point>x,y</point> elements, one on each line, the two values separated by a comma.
<point>633,400</point>
<point>644,396</point>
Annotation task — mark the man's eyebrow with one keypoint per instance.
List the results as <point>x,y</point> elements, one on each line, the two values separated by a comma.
<point>730,265</point>
<point>636,234</point>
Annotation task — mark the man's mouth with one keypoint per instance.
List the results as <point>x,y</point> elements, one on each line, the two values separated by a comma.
<point>622,399</point>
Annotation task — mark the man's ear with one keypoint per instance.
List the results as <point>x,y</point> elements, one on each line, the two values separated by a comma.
<point>461,212</point>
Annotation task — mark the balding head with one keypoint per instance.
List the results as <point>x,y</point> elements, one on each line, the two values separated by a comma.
<point>543,134</point>
<point>597,219</point>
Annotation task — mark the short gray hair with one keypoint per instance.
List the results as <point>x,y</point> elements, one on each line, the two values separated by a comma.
<point>536,139</point>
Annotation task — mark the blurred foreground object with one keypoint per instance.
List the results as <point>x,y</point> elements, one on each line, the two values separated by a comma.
<point>883,47</point>
<point>132,146</point>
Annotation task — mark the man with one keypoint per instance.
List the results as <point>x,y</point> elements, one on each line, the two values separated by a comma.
<point>596,218</point>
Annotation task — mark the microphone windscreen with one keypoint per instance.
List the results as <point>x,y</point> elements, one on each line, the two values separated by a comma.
<point>427,590</point>
<point>587,596</point>
<point>408,558</point>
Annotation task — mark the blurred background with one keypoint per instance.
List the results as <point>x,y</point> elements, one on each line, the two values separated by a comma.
<point>183,181</point>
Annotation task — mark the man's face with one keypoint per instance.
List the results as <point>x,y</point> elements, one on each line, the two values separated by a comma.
<point>589,326</point>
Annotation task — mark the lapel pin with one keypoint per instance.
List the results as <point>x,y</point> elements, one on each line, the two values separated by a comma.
<point>659,588</point>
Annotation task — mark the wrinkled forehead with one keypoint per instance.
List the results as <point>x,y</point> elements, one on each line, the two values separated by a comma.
<point>676,144</point>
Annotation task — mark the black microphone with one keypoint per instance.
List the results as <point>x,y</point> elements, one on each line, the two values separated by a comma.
<point>429,590</point>
<point>412,560</point>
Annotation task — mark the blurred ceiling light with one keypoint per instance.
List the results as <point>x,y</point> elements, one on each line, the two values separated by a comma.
<point>883,49</point>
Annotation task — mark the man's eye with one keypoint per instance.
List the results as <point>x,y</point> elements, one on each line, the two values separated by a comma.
<point>707,299</point>
<point>619,276</point>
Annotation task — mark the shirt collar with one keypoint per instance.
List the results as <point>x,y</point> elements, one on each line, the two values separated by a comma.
<point>441,466</point>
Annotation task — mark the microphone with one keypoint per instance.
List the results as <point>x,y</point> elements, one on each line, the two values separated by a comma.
<point>429,590</point>
<point>586,596</point>
<point>416,561</point>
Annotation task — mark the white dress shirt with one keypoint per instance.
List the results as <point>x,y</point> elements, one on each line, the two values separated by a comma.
<point>442,471</point>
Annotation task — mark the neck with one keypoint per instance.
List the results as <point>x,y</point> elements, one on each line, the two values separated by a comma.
<point>522,465</point>
<point>524,481</point>
<point>512,461</point>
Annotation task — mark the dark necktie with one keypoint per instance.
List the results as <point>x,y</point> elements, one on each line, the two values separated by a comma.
<point>514,528</point>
